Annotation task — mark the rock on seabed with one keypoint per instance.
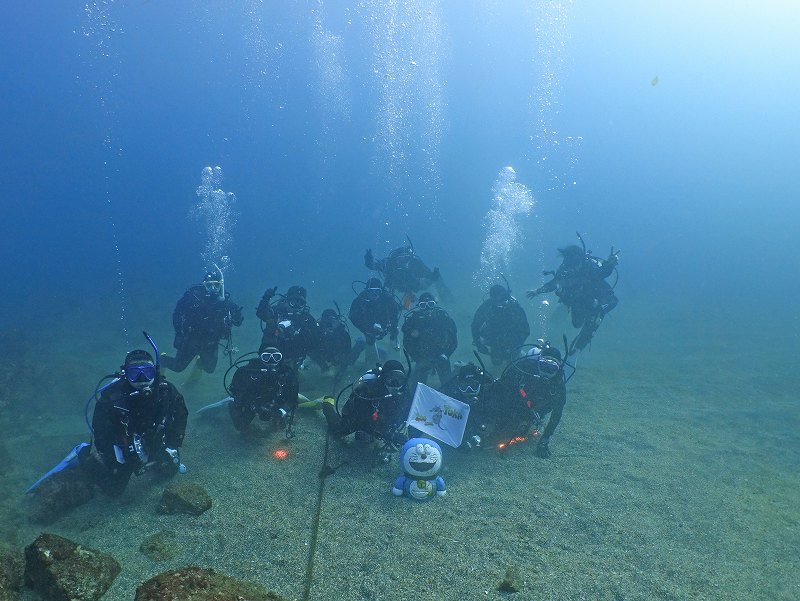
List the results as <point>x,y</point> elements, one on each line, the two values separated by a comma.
<point>185,497</point>
<point>200,584</point>
<point>62,570</point>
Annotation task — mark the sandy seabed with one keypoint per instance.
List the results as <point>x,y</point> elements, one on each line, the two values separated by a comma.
<point>673,476</point>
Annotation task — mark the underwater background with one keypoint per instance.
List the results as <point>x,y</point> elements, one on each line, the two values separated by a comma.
<point>665,129</point>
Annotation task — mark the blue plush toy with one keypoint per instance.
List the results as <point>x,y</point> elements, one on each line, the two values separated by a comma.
<point>421,460</point>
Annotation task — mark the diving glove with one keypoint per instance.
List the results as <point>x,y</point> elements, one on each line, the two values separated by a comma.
<point>543,448</point>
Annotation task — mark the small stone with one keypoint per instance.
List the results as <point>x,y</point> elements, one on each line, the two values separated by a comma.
<point>62,570</point>
<point>512,581</point>
<point>200,584</point>
<point>185,497</point>
<point>161,546</point>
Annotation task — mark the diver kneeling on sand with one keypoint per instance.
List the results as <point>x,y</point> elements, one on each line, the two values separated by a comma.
<point>375,409</point>
<point>138,423</point>
<point>265,385</point>
<point>530,388</point>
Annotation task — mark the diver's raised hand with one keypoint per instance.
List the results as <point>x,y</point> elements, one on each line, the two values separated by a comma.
<point>531,294</point>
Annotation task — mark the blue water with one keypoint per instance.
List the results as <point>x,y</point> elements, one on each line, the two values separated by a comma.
<point>692,177</point>
<point>667,130</point>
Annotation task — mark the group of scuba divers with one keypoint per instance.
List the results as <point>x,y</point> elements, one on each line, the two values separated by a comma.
<point>139,418</point>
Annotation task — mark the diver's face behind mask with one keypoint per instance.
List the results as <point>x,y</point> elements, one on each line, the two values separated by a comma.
<point>296,302</point>
<point>394,380</point>
<point>373,289</point>
<point>213,287</point>
<point>426,305</point>
<point>141,375</point>
<point>548,367</point>
<point>469,385</point>
<point>271,358</point>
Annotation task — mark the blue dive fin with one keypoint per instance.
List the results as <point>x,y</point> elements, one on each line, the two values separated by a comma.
<point>223,403</point>
<point>70,461</point>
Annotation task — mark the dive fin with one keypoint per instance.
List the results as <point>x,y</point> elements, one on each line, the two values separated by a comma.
<point>445,296</point>
<point>70,461</point>
<point>195,374</point>
<point>223,403</point>
<point>303,402</point>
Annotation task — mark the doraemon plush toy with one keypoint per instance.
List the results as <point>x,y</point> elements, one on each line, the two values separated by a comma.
<point>421,460</point>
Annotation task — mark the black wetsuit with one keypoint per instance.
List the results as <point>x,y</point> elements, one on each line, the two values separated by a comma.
<point>402,270</point>
<point>201,320</point>
<point>518,403</point>
<point>430,337</point>
<point>371,408</point>
<point>502,328</point>
<point>258,390</point>
<point>584,290</point>
<point>124,417</point>
<point>375,318</point>
<point>333,347</point>
<point>292,330</point>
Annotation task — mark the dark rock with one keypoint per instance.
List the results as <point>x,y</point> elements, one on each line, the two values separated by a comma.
<point>61,570</point>
<point>11,573</point>
<point>512,581</point>
<point>160,546</point>
<point>185,497</point>
<point>59,494</point>
<point>200,584</point>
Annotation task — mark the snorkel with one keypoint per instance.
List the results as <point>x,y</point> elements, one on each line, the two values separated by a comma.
<point>221,281</point>
<point>155,351</point>
<point>508,287</point>
<point>583,244</point>
<point>410,244</point>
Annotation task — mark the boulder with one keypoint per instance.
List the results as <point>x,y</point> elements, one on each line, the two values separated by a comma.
<point>200,584</point>
<point>185,497</point>
<point>62,570</point>
<point>59,494</point>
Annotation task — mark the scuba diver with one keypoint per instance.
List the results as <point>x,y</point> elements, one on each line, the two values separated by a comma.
<point>203,316</point>
<point>266,386</point>
<point>288,324</point>
<point>403,271</point>
<point>531,388</point>
<point>375,312</point>
<point>376,408</point>
<point>580,284</point>
<point>138,423</point>
<point>500,325</point>
<point>429,336</point>
<point>467,385</point>
<point>334,347</point>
